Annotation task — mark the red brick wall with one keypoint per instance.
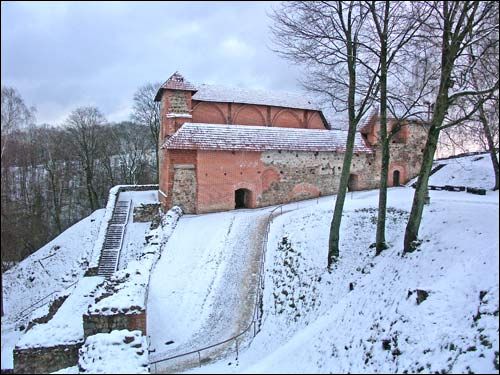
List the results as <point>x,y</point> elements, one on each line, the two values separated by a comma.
<point>210,113</point>
<point>221,173</point>
<point>138,322</point>
<point>250,114</point>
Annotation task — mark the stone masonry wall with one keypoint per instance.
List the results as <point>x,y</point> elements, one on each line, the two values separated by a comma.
<point>407,157</point>
<point>172,158</point>
<point>304,175</point>
<point>146,213</point>
<point>184,188</point>
<point>274,177</point>
<point>45,360</point>
<point>93,323</point>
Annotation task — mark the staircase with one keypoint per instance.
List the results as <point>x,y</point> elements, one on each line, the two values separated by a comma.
<point>110,253</point>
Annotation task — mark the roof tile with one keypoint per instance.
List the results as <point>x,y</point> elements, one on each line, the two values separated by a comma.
<point>198,136</point>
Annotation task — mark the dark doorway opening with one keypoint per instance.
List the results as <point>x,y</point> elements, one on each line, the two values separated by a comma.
<point>395,178</point>
<point>352,184</point>
<point>241,198</point>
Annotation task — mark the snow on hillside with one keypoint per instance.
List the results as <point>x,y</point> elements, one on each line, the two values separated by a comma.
<point>472,171</point>
<point>435,310</point>
<point>51,269</point>
<point>313,321</point>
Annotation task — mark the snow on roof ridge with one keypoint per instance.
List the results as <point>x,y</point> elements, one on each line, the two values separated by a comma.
<point>199,136</point>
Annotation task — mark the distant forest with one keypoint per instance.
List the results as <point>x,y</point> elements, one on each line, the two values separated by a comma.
<point>54,176</point>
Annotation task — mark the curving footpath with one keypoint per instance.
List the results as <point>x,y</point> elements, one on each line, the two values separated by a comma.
<point>203,288</point>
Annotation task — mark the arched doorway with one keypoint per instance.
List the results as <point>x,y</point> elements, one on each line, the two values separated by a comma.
<point>395,178</point>
<point>242,198</point>
<point>352,184</point>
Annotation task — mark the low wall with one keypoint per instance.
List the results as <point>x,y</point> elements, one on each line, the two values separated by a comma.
<point>45,360</point>
<point>93,323</point>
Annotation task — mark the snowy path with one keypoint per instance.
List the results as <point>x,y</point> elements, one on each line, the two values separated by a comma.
<point>208,296</point>
<point>133,239</point>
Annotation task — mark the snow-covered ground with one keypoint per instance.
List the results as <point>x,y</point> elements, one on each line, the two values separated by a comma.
<point>64,328</point>
<point>472,171</point>
<point>133,240</point>
<point>54,267</point>
<point>313,321</point>
<point>58,265</point>
<point>435,310</point>
<point>202,289</point>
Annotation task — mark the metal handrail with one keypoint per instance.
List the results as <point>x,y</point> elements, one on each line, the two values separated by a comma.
<point>43,304</point>
<point>256,316</point>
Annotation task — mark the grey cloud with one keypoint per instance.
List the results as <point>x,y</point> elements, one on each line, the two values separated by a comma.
<point>63,55</point>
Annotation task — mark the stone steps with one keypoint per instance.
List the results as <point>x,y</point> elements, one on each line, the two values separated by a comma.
<point>110,253</point>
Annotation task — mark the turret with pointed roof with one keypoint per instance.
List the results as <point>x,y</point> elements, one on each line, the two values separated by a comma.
<point>175,82</point>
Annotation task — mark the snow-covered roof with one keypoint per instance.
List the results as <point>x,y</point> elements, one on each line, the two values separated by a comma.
<point>213,93</point>
<point>175,82</point>
<point>197,136</point>
<point>224,94</point>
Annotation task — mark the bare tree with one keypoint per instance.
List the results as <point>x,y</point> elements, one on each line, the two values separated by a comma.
<point>15,114</point>
<point>456,25</point>
<point>83,126</point>
<point>131,152</point>
<point>147,112</point>
<point>326,38</point>
<point>395,27</point>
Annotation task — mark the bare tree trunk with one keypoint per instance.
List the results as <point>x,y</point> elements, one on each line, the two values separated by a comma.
<point>91,193</point>
<point>380,244</point>
<point>491,146</point>
<point>382,198</point>
<point>412,228</point>
<point>57,205</point>
<point>333,243</point>
<point>462,25</point>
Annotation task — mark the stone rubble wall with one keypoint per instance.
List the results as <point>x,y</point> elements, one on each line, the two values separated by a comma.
<point>146,213</point>
<point>45,360</point>
<point>93,323</point>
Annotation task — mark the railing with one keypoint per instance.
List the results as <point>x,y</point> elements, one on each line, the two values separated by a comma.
<point>257,312</point>
<point>34,306</point>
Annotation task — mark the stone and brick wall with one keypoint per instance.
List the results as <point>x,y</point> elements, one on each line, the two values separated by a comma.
<point>274,177</point>
<point>146,213</point>
<point>407,157</point>
<point>45,360</point>
<point>96,323</point>
<point>168,169</point>
<point>205,181</point>
<point>209,182</point>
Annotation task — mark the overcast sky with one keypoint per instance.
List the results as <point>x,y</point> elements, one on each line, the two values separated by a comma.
<point>60,56</point>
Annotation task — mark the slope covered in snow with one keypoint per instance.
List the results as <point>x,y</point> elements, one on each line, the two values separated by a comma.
<point>472,171</point>
<point>202,290</point>
<point>51,269</point>
<point>435,310</point>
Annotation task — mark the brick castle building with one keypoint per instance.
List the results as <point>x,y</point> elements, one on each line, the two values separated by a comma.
<point>226,148</point>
